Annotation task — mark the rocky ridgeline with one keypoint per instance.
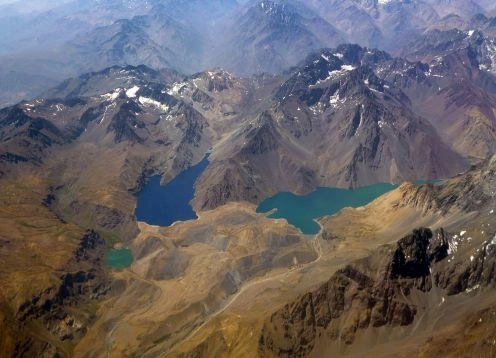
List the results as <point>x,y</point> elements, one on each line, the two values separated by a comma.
<point>374,292</point>
<point>470,191</point>
<point>82,281</point>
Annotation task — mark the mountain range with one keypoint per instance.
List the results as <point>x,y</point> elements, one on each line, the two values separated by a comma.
<point>245,38</point>
<point>278,96</point>
<point>346,117</point>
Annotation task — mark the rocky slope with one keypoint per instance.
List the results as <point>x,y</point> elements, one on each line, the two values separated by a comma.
<point>339,119</point>
<point>126,118</point>
<point>385,289</point>
<point>52,274</point>
<point>373,292</point>
<point>400,285</point>
<point>49,314</point>
<point>403,298</point>
<point>246,37</point>
<point>457,91</point>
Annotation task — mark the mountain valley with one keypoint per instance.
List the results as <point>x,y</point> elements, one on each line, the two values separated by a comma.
<point>270,97</point>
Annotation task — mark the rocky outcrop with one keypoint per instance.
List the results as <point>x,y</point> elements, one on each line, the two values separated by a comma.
<point>479,271</point>
<point>24,138</point>
<point>262,137</point>
<point>224,182</point>
<point>124,122</point>
<point>81,282</point>
<point>90,242</point>
<point>369,293</point>
<point>467,192</point>
<point>12,158</point>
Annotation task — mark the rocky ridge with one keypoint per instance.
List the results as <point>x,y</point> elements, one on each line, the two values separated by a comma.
<point>381,290</point>
<point>62,312</point>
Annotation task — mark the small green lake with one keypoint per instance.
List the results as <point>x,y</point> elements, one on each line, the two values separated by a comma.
<point>302,210</point>
<point>119,258</point>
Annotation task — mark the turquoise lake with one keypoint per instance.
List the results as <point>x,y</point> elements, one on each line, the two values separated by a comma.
<point>164,204</point>
<point>302,210</point>
<point>119,258</point>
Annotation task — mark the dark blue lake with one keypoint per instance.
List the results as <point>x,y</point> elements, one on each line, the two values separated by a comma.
<point>163,205</point>
<point>301,211</point>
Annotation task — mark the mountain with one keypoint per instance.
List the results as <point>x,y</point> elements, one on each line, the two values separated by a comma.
<point>270,36</point>
<point>331,122</point>
<point>372,292</point>
<point>466,57</point>
<point>398,286</point>
<point>457,7</point>
<point>123,43</point>
<point>46,24</point>
<point>78,160</point>
<point>73,160</point>
<point>385,24</point>
<point>130,125</point>
<point>245,38</point>
<point>155,33</point>
<point>345,117</point>
<point>390,288</point>
<point>73,163</point>
<point>120,92</point>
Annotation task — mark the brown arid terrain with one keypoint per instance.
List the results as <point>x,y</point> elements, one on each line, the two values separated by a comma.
<point>271,97</point>
<point>233,281</point>
<point>52,274</point>
<point>188,272</point>
<point>461,275</point>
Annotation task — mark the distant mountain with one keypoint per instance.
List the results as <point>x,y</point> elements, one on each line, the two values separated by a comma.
<point>125,42</point>
<point>45,24</point>
<point>159,34</point>
<point>270,36</point>
<point>76,157</point>
<point>464,8</point>
<point>247,37</point>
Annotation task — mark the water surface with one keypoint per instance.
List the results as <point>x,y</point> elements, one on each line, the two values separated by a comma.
<point>302,210</point>
<point>164,204</point>
<point>119,258</point>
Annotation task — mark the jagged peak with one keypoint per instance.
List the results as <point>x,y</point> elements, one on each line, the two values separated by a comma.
<point>216,79</point>
<point>214,72</point>
<point>272,7</point>
<point>260,136</point>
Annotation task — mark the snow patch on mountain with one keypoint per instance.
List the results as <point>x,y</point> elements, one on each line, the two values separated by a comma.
<point>112,96</point>
<point>152,102</point>
<point>334,74</point>
<point>176,88</point>
<point>348,67</point>
<point>131,92</point>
